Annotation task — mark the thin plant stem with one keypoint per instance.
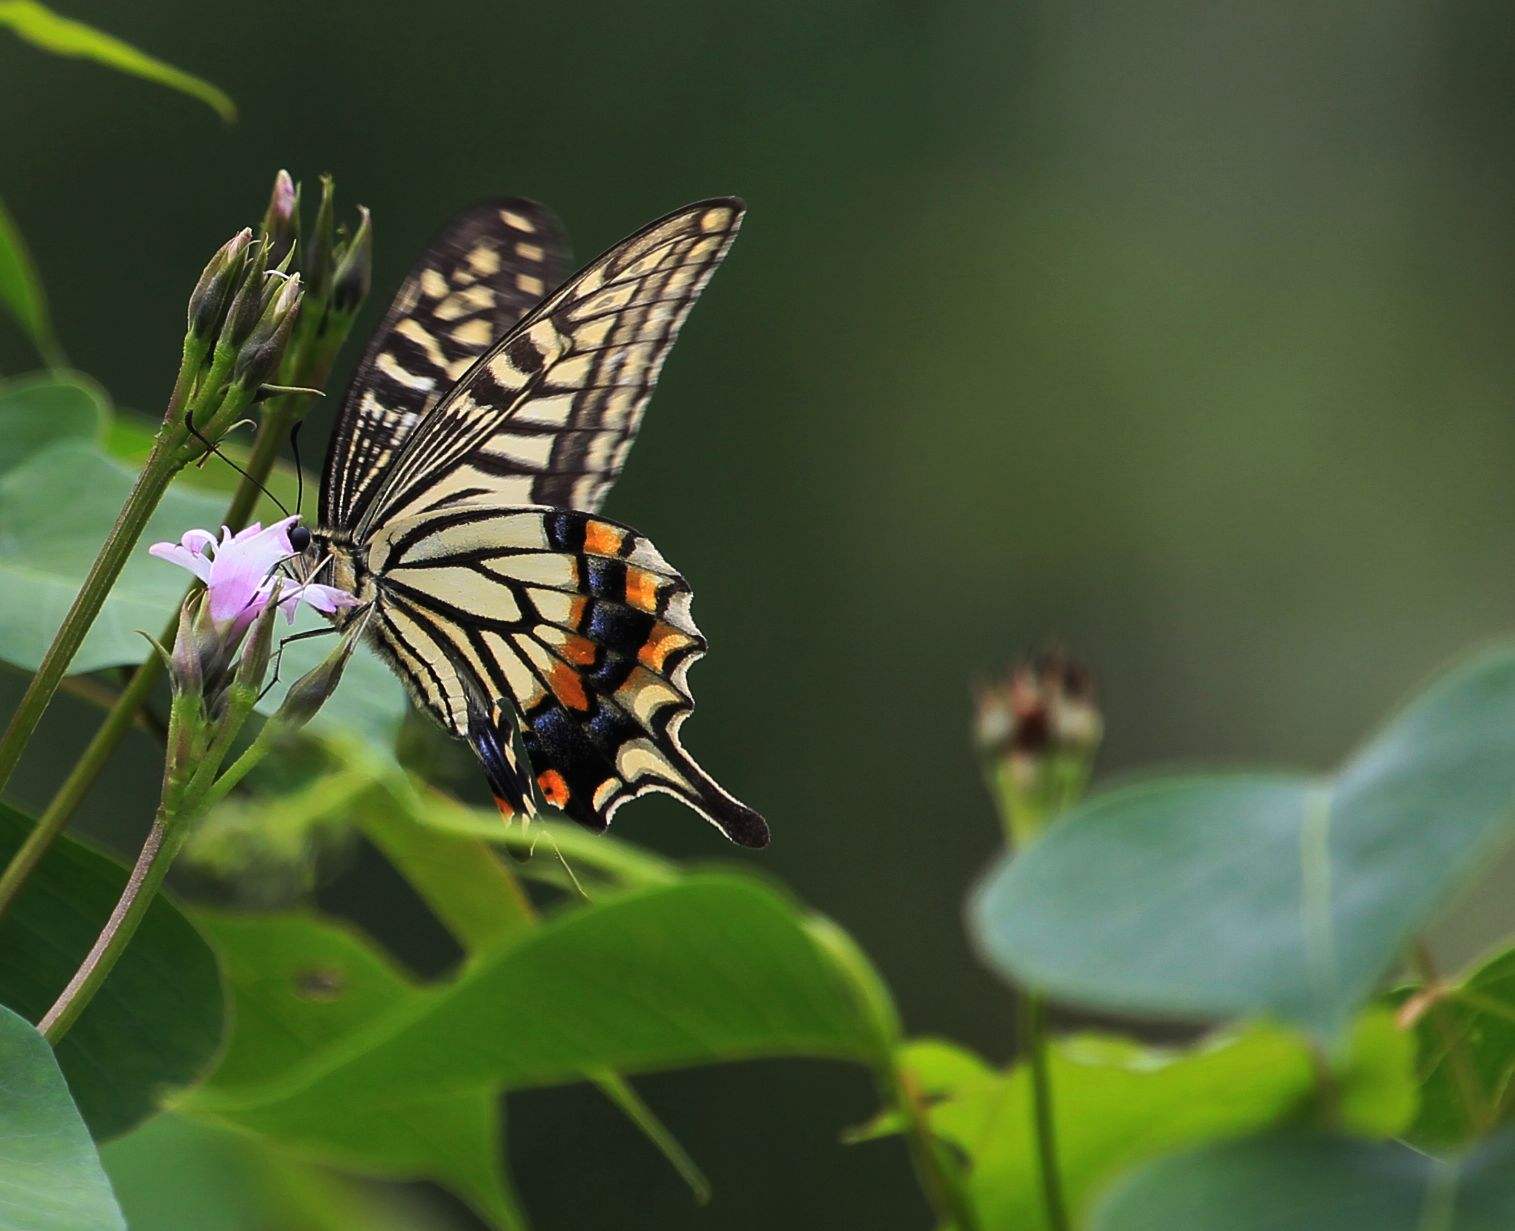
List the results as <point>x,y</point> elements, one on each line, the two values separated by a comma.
<point>163,842</point>
<point>123,713</point>
<point>1033,1041</point>
<point>146,492</point>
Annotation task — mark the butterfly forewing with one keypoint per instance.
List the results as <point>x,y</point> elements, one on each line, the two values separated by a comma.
<point>579,625</point>
<point>476,280</point>
<point>548,416</point>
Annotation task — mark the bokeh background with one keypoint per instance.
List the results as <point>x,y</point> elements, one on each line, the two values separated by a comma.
<point>1177,333</point>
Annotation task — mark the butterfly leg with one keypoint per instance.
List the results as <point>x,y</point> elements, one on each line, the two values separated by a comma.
<point>279,653</point>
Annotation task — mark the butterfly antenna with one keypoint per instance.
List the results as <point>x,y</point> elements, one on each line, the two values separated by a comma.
<point>212,447</point>
<point>294,448</point>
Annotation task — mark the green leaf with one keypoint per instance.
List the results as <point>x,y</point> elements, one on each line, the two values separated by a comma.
<point>301,984</point>
<point>1320,1183</point>
<point>1277,895</point>
<point>50,1175</point>
<point>713,968</point>
<point>61,36</point>
<point>21,290</point>
<point>40,410</point>
<point>47,546</point>
<point>1466,1042</point>
<point>156,1022</point>
<point>1115,1102</point>
<point>174,1173</point>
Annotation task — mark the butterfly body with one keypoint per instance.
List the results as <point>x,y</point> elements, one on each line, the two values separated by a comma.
<point>459,504</point>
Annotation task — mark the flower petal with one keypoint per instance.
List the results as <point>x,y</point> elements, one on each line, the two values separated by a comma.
<point>184,556</point>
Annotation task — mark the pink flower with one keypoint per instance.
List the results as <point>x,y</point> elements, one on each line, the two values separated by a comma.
<point>241,576</point>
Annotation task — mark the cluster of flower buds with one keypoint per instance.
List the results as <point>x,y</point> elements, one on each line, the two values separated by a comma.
<point>271,311</point>
<point>1038,728</point>
<point>224,645</point>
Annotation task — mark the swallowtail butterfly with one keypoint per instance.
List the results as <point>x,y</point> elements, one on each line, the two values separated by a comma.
<point>489,416</point>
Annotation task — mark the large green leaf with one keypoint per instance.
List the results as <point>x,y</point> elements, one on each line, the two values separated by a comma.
<point>712,968</point>
<point>48,544</point>
<point>60,35</point>
<point>1466,1042</point>
<point>1117,1103</point>
<point>175,1174</point>
<point>301,985</point>
<point>1265,894</point>
<point>50,1175</point>
<point>1296,1181</point>
<point>21,291</point>
<point>155,1023</point>
<point>42,409</point>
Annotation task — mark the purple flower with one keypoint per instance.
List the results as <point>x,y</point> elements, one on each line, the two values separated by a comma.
<point>241,576</point>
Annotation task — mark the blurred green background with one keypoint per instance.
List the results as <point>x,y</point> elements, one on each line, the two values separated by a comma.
<point>1177,333</point>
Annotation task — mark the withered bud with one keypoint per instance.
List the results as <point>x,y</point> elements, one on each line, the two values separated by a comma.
<point>1041,713</point>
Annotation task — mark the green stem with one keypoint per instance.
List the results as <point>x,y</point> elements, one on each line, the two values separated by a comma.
<point>146,492</point>
<point>1033,1040</point>
<point>123,713</point>
<point>163,842</point>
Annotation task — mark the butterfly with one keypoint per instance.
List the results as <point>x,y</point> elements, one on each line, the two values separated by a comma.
<point>486,421</point>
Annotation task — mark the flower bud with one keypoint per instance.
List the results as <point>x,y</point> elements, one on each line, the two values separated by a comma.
<point>354,273</point>
<point>316,259</point>
<point>308,693</point>
<point>258,649</point>
<point>279,218</point>
<point>186,667</point>
<point>215,286</point>
<point>264,347</point>
<point>1038,729</point>
<point>247,304</point>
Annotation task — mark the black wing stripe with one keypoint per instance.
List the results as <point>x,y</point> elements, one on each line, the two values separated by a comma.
<point>474,281</point>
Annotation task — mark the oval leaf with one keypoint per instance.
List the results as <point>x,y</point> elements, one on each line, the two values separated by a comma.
<point>1325,1184</point>
<point>1252,894</point>
<point>50,1175</point>
<point>156,1022</point>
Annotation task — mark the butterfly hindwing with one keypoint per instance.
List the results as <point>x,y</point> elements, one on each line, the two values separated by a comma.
<point>570,627</point>
<point>548,415</point>
<point>477,278</point>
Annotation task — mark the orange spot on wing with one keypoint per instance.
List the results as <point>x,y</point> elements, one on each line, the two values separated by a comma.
<point>577,649</point>
<point>663,642</point>
<point>602,539</point>
<point>568,686</point>
<point>554,787</point>
<point>506,810</point>
<point>642,589</point>
<point>577,606</point>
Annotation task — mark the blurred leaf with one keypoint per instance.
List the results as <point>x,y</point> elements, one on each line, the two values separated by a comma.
<point>1479,1013</point>
<point>1116,1103</point>
<point>41,409</point>
<point>50,1175</point>
<point>156,1022</point>
<point>172,1174</point>
<point>45,29</point>
<point>48,544</point>
<point>713,968</point>
<point>1320,1183</point>
<point>21,289</point>
<point>129,438</point>
<point>1265,894</point>
<point>300,985</point>
<point>1377,1092</point>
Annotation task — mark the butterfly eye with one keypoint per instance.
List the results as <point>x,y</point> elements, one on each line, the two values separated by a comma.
<point>299,538</point>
